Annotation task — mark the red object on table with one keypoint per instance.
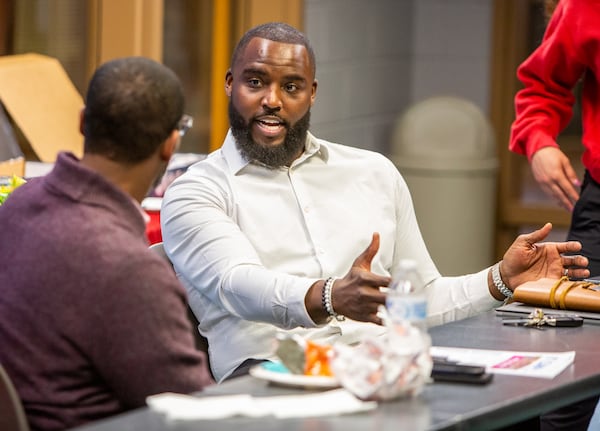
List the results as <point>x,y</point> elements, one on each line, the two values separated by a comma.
<point>153,227</point>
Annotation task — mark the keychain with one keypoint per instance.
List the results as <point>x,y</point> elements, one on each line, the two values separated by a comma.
<point>537,319</point>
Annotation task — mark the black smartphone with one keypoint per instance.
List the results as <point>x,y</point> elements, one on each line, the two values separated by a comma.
<point>452,368</point>
<point>463,373</point>
<point>478,379</point>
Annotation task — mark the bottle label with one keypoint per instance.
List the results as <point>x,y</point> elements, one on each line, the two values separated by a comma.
<point>406,308</point>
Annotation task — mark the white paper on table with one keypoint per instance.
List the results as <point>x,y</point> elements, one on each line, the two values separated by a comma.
<point>328,403</point>
<point>530,364</point>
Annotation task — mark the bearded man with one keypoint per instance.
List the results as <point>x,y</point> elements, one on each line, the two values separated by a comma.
<point>280,230</point>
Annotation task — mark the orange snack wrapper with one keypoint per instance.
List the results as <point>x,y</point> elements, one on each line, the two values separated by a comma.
<point>317,357</point>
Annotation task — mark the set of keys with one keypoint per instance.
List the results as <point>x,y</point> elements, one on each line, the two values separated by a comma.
<point>537,319</point>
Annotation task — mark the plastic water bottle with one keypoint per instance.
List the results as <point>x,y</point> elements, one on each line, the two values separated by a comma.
<point>406,301</point>
<point>409,342</point>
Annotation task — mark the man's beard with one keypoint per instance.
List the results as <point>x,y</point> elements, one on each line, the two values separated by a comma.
<point>272,157</point>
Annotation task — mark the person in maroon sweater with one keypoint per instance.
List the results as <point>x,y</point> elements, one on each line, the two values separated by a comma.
<point>91,321</point>
<point>568,53</point>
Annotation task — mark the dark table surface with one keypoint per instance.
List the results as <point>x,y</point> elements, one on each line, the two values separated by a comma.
<point>441,406</point>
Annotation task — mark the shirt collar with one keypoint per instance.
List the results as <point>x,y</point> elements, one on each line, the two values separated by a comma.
<point>313,147</point>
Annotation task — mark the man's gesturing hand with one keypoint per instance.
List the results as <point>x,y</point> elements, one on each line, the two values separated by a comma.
<point>357,295</point>
<point>529,259</point>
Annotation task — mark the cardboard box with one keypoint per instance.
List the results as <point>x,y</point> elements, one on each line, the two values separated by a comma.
<point>12,167</point>
<point>43,104</point>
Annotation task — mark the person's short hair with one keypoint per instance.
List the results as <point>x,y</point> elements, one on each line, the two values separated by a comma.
<point>132,106</point>
<point>277,32</point>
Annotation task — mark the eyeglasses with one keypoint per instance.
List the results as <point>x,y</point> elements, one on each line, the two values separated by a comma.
<point>185,124</point>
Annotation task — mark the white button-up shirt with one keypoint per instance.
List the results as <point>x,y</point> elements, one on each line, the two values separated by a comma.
<point>248,242</point>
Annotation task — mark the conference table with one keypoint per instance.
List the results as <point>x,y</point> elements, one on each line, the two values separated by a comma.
<point>441,406</point>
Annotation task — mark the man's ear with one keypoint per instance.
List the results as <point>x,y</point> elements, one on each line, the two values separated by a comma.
<point>313,94</point>
<point>81,119</point>
<point>169,147</point>
<point>228,81</point>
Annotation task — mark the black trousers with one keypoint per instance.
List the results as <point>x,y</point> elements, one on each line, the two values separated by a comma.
<point>585,223</point>
<point>575,417</point>
<point>585,228</point>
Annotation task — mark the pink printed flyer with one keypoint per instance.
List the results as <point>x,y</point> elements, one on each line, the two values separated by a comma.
<point>531,364</point>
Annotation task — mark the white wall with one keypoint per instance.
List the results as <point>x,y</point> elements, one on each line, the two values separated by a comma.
<point>452,49</point>
<point>363,51</point>
<point>376,57</point>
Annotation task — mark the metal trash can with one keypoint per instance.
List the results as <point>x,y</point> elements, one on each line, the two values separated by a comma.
<point>444,148</point>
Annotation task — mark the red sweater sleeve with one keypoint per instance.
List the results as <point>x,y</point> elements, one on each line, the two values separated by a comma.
<point>544,106</point>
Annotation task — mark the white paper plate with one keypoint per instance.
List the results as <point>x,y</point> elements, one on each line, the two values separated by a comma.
<point>276,375</point>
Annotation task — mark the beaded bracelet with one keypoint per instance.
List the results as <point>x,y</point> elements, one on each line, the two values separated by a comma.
<point>326,300</point>
<point>499,283</point>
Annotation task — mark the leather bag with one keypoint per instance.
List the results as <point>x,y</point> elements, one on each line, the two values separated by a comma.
<point>560,293</point>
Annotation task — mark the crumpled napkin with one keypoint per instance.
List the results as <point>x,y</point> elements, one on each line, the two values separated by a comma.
<point>328,403</point>
<point>385,368</point>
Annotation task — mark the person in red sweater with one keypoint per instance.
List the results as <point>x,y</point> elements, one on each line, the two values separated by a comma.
<point>568,53</point>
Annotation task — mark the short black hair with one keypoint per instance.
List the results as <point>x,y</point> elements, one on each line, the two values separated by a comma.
<point>132,106</point>
<point>277,32</point>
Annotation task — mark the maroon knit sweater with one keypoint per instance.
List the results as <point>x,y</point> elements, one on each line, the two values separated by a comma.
<point>91,321</point>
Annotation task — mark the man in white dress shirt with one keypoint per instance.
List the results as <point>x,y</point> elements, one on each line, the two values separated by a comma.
<point>277,220</point>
